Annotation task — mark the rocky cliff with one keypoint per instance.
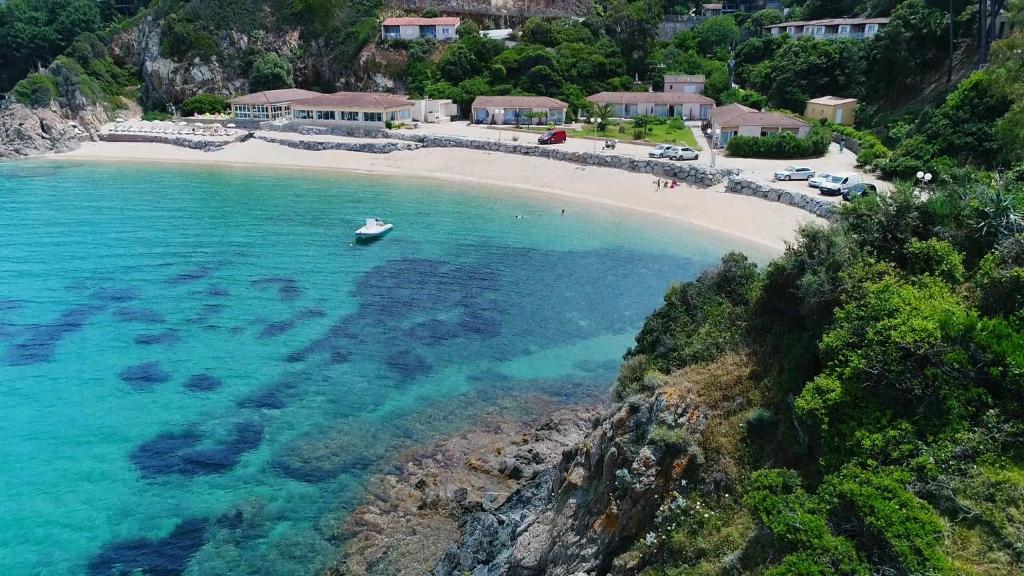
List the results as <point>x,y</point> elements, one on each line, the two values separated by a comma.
<point>583,512</point>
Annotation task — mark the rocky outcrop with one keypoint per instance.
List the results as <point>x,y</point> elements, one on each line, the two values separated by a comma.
<point>579,516</point>
<point>26,131</point>
<point>751,187</point>
<point>410,519</point>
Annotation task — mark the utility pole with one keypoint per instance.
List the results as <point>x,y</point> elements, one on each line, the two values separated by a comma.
<point>983,18</point>
<point>949,73</point>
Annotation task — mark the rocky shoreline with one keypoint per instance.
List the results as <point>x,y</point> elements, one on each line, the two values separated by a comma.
<point>571,496</point>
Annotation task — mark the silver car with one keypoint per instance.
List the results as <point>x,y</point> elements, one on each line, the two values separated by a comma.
<point>685,153</point>
<point>661,151</point>
<point>794,173</point>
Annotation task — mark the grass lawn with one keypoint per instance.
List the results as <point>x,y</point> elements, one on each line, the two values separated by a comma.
<point>665,134</point>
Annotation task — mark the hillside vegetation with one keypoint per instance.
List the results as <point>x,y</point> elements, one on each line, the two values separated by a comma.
<point>885,425</point>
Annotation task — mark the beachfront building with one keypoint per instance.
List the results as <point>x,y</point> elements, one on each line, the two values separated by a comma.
<point>689,83</point>
<point>831,108</point>
<point>830,28</point>
<point>687,105</point>
<point>739,120</point>
<point>442,28</point>
<point>432,111</point>
<point>352,109</point>
<point>518,110</point>
<point>268,105</point>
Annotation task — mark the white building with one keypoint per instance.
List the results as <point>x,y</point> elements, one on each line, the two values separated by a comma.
<point>268,105</point>
<point>443,28</point>
<point>688,83</point>
<point>357,109</point>
<point>855,28</point>
<point>518,110</point>
<point>432,111</point>
<point>739,120</point>
<point>685,105</point>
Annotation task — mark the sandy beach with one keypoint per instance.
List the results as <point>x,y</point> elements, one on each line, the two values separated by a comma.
<point>765,223</point>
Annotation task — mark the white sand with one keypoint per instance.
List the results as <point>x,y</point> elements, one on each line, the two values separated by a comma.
<point>766,223</point>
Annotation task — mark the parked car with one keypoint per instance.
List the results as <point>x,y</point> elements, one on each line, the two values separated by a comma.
<point>857,190</point>
<point>818,180</point>
<point>794,173</point>
<point>838,183</point>
<point>686,153</point>
<point>661,151</point>
<point>552,137</point>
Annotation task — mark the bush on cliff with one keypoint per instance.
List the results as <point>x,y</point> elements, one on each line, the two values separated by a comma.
<point>37,89</point>
<point>270,72</point>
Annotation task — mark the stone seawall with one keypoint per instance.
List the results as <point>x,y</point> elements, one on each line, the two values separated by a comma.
<point>690,173</point>
<point>320,145</point>
<point>749,187</point>
<point>183,141</point>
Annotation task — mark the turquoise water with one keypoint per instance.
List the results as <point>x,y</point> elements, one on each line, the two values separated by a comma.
<point>199,370</point>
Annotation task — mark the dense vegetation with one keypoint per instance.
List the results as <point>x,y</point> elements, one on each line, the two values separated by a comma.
<point>884,407</point>
<point>782,146</point>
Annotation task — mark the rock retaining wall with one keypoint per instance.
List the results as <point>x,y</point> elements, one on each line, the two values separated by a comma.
<point>184,142</point>
<point>749,187</point>
<point>379,147</point>
<point>690,173</point>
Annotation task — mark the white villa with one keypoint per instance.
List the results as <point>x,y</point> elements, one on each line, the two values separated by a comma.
<point>432,111</point>
<point>358,109</point>
<point>739,120</point>
<point>689,83</point>
<point>443,28</point>
<point>268,105</point>
<point>687,105</point>
<point>514,110</point>
<point>830,28</point>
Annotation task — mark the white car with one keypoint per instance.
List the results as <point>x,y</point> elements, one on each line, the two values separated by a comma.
<point>818,180</point>
<point>794,173</point>
<point>685,153</point>
<point>838,183</point>
<point>661,151</point>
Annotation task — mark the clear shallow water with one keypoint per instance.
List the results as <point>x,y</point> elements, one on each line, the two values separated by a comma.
<point>198,370</point>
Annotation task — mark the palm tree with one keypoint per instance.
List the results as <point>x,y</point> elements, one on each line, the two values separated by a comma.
<point>603,113</point>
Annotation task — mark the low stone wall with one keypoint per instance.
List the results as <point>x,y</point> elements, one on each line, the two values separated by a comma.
<point>758,189</point>
<point>320,145</point>
<point>183,141</point>
<point>690,173</point>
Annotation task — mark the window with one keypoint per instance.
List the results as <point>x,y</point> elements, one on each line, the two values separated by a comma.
<point>373,117</point>
<point>404,114</point>
<point>325,115</point>
<point>844,30</point>
<point>808,29</point>
<point>243,111</point>
<point>791,30</point>
<point>871,28</point>
<point>819,30</point>
<point>302,114</point>
<point>349,116</point>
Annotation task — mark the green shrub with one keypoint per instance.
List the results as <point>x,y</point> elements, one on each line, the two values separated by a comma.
<point>781,146</point>
<point>153,116</point>
<point>37,89</point>
<point>183,40</point>
<point>270,72</point>
<point>205,104</point>
<point>936,258</point>
<point>671,439</point>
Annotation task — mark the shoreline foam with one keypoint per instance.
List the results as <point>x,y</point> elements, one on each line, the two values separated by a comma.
<point>766,224</point>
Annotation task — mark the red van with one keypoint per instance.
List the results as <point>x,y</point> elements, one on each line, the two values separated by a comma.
<point>552,137</point>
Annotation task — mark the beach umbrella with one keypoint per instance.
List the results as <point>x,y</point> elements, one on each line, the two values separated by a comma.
<point>231,126</point>
<point>119,119</point>
<point>182,123</point>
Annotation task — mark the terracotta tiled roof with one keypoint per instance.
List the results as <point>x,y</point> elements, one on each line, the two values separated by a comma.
<point>361,100</point>
<point>684,77</point>
<point>517,102</point>
<point>649,98</point>
<point>724,113</point>
<point>274,96</point>
<point>831,22</point>
<point>764,119</point>
<point>441,21</point>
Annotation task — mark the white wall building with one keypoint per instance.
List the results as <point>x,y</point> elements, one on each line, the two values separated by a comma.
<point>518,109</point>
<point>688,83</point>
<point>443,28</point>
<point>357,109</point>
<point>684,105</point>
<point>268,105</point>
<point>432,111</point>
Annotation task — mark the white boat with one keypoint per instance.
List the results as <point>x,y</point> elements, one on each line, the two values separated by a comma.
<point>374,228</point>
